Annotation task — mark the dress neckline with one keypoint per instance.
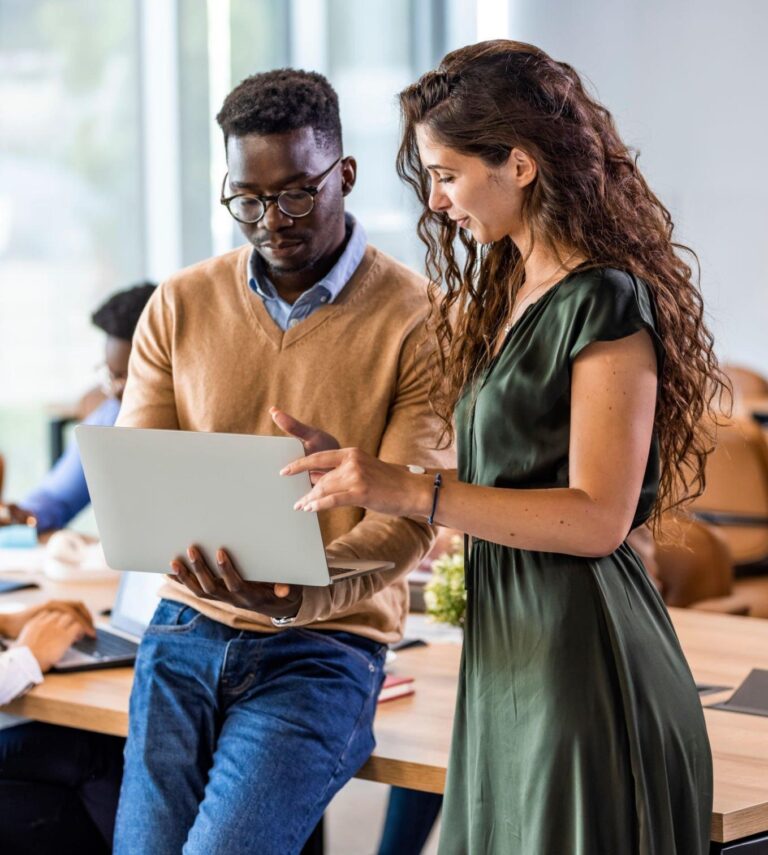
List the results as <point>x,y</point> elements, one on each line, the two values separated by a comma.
<point>511,331</point>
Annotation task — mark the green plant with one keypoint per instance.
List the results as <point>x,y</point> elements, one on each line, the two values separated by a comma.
<point>445,596</point>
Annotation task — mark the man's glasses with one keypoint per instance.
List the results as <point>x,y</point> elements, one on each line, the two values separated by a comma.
<point>250,208</point>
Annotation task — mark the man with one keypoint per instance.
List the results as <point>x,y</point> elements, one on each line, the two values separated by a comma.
<point>252,705</point>
<point>63,493</point>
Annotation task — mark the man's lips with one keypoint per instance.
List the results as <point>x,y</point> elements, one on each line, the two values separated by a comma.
<point>283,247</point>
<point>278,244</point>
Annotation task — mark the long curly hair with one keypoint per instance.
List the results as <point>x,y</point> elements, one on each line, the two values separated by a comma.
<point>588,196</point>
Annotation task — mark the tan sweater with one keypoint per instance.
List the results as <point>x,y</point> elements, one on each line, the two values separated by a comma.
<point>208,357</point>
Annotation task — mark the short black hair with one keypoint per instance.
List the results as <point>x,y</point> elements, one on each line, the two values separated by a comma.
<point>119,315</point>
<point>283,100</point>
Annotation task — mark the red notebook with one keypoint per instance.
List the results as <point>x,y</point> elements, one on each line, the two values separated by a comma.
<point>395,687</point>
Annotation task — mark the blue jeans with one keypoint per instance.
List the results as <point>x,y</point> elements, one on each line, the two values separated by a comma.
<point>408,822</point>
<point>239,740</point>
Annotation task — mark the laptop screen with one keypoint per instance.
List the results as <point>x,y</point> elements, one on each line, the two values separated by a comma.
<point>136,601</point>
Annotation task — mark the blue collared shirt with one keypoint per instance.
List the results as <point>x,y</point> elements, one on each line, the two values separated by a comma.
<point>321,293</point>
<point>63,493</point>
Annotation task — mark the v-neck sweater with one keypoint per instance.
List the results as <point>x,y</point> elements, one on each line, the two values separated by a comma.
<point>207,356</point>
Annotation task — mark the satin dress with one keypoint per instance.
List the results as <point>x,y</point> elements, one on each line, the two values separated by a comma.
<point>578,728</point>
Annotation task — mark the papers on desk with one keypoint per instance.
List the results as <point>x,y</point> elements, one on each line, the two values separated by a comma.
<point>751,697</point>
<point>22,560</point>
<point>91,568</point>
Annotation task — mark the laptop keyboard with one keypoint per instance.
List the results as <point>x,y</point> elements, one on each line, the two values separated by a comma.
<point>106,646</point>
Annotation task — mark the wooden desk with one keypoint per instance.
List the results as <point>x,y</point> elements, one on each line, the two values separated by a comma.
<point>413,734</point>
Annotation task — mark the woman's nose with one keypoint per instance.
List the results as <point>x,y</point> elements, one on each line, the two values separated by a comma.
<point>438,201</point>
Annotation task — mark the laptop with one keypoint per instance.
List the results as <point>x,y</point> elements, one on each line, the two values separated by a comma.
<point>118,640</point>
<point>156,492</point>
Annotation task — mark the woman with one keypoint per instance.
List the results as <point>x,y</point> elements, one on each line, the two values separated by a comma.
<point>574,352</point>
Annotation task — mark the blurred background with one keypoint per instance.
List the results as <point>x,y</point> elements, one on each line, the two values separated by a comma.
<point>111,162</point>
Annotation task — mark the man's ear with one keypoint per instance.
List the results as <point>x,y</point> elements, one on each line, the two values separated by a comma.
<point>348,175</point>
<point>521,167</point>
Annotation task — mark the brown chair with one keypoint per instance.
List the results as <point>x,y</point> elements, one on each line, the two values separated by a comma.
<point>746,382</point>
<point>736,494</point>
<point>735,502</point>
<point>695,569</point>
<point>750,390</point>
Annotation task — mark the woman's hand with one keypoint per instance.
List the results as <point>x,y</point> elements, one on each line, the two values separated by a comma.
<point>49,634</point>
<point>313,439</point>
<point>228,586</point>
<point>12,624</point>
<point>354,477</point>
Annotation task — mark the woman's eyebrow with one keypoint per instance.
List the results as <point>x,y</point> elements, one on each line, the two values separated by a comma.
<point>440,166</point>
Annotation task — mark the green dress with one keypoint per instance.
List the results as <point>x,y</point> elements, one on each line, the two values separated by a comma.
<point>578,727</point>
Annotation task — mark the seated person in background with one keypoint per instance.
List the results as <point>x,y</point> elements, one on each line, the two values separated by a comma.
<point>58,786</point>
<point>43,633</point>
<point>63,493</point>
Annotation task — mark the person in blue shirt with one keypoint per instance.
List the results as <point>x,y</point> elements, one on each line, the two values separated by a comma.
<point>63,493</point>
<point>59,786</point>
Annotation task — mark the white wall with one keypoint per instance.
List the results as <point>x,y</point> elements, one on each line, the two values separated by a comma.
<point>687,81</point>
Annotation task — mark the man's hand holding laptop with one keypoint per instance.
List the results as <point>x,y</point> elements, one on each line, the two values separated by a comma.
<point>226,584</point>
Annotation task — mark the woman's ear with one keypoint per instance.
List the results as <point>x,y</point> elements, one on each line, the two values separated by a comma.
<point>521,167</point>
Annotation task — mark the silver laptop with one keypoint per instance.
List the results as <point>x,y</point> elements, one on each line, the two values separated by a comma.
<point>117,641</point>
<point>156,492</point>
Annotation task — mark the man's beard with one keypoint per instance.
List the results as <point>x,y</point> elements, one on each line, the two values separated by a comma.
<point>288,267</point>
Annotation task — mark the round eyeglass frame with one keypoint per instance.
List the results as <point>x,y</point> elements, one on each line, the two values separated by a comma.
<point>311,191</point>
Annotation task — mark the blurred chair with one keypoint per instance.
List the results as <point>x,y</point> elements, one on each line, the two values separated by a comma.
<point>735,497</point>
<point>746,382</point>
<point>750,391</point>
<point>695,569</point>
<point>60,416</point>
<point>735,503</point>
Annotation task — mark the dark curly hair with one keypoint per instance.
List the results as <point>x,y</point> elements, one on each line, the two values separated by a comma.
<point>119,315</point>
<point>282,100</point>
<point>589,196</point>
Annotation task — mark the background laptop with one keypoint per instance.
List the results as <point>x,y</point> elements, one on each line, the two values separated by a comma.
<point>117,641</point>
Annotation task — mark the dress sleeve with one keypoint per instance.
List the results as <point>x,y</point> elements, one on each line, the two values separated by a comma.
<point>607,306</point>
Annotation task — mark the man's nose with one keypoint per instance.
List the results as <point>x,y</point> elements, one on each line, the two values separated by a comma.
<point>274,218</point>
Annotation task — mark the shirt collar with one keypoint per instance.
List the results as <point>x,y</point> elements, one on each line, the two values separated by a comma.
<point>336,278</point>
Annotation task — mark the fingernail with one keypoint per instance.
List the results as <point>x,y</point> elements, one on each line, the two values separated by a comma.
<point>297,506</point>
<point>220,556</point>
<point>192,553</point>
<point>175,568</point>
<point>310,507</point>
<point>284,470</point>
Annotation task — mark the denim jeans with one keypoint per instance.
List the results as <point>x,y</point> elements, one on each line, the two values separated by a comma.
<point>239,740</point>
<point>410,816</point>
